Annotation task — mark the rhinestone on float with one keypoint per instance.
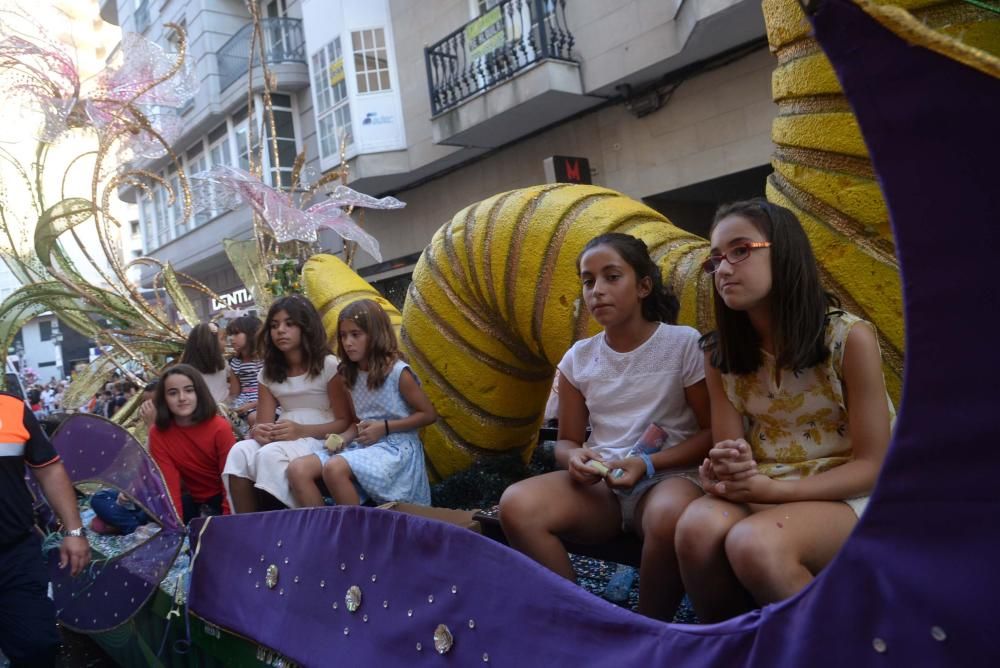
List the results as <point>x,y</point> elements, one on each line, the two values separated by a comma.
<point>352,599</point>
<point>938,634</point>
<point>879,645</point>
<point>443,640</point>
<point>271,576</point>
<point>472,623</point>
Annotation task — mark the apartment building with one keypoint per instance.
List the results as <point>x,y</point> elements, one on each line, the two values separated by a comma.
<point>446,102</point>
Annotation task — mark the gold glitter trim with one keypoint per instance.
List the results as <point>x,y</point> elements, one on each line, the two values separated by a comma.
<point>342,300</point>
<point>877,248</point>
<point>491,225</point>
<point>890,353</point>
<point>473,316</point>
<point>450,391</point>
<point>452,336</point>
<point>909,28</point>
<point>801,48</point>
<point>825,161</point>
<point>514,254</point>
<point>816,104</point>
<point>549,261</point>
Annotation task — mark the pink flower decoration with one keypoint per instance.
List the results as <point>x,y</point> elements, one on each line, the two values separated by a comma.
<point>227,187</point>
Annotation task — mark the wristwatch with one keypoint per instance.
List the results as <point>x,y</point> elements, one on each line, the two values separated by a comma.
<point>78,532</point>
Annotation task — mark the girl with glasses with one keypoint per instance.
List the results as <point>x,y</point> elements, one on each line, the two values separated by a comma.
<point>642,370</point>
<point>800,419</point>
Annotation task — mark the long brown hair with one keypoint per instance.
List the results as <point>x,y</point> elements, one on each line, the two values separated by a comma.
<point>799,303</point>
<point>249,325</point>
<point>383,349</point>
<point>203,350</point>
<point>313,339</point>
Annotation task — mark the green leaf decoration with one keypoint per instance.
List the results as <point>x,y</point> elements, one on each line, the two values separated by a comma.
<point>87,382</point>
<point>176,292</point>
<point>123,414</point>
<point>11,320</point>
<point>251,270</point>
<point>59,218</point>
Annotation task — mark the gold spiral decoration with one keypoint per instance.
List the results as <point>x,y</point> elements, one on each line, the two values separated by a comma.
<point>495,303</point>
<point>821,167</point>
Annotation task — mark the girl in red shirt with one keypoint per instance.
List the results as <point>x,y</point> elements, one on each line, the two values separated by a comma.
<point>190,442</point>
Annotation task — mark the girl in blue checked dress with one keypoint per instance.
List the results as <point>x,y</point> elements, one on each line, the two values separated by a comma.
<point>380,457</point>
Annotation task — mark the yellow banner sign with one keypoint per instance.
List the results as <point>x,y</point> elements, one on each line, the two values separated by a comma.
<point>485,34</point>
<point>336,71</point>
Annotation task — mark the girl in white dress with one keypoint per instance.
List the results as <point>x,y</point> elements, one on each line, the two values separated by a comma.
<point>300,375</point>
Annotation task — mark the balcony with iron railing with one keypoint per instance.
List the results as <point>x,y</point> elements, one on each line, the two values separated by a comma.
<point>284,43</point>
<point>525,45</point>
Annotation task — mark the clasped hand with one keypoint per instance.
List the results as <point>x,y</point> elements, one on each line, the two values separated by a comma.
<point>282,430</point>
<point>370,431</point>
<point>730,472</point>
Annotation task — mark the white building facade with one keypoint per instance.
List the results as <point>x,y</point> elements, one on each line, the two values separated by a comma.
<point>443,103</point>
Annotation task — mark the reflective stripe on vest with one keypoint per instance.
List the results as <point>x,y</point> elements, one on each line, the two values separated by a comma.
<point>11,449</point>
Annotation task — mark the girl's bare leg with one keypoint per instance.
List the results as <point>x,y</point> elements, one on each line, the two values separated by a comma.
<point>340,481</point>
<point>700,540</point>
<point>243,493</point>
<point>303,473</point>
<point>537,511</point>
<point>779,550</point>
<point>656,517</point>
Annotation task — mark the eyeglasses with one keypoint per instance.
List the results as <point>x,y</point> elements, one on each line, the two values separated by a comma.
<point>735,255</point>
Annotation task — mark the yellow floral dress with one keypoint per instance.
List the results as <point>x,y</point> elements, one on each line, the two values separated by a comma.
<point>796,422</point>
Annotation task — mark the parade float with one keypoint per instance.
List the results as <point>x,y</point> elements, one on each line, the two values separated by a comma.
<point>885,113</point>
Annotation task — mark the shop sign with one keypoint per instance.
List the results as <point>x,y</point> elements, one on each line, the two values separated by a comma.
<point>231,299</point>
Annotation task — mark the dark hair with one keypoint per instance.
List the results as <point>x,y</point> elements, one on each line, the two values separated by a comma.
<point>249,325</point>
<point>383,349</point>
<point>206,407</point>
<point>799,303</point>
<point>314,345</point>
<point>660,305</point>
<point>203,351</point>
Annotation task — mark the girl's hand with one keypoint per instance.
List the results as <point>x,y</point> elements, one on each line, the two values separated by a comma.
<point>121,500</point>
<point>370,431</point>
<point>147,411</point>
<point>578,469</point>
<point>634,471</point>
<point>262,432</point>
<point>732,460</point>
<point>755,489</point>
<point>286,430</point>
